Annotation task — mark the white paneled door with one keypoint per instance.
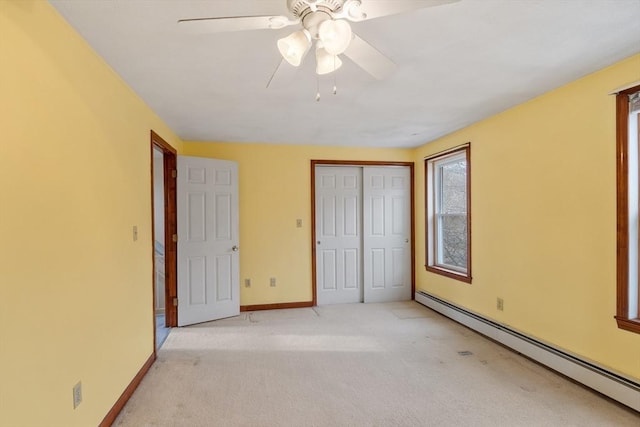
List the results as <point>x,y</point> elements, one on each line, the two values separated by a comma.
<point>208,253</point>
<point>338,234</point>
<point>386,233</point>
<point>363,234</point>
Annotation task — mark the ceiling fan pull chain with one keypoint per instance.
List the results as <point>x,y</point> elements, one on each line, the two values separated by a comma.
<point>318,88</point>
<point>335,79</point>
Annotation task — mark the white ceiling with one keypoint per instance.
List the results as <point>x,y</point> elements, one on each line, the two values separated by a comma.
<point>456,64</point>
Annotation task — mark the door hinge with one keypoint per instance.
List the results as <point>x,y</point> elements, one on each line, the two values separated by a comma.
<point>175,302</point>
<point>174,173</point>
<point>174,238</point>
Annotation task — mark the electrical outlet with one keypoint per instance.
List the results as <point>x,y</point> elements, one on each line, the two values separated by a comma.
<point>77,394</point>
<point>272,282</point>
<point>247,283</point>
<point>500,304</point>
<point>299,223</point>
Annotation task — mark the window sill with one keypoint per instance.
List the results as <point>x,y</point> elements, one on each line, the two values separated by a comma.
<point>632,325</point>
<point>449,273</point>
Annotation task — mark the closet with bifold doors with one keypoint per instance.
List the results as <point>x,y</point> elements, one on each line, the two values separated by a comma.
<point>362,233</point>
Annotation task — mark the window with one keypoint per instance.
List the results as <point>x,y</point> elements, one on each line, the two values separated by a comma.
<point>448,214</point>
<point>628,128</point>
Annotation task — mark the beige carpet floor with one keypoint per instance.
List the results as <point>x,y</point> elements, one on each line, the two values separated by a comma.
<point>395,364</point>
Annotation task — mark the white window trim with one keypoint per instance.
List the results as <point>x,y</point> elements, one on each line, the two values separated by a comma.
<point>633,195</point>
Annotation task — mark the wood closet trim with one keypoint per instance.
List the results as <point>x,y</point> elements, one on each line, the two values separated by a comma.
<point>315,163</point>
<point>276,306</point>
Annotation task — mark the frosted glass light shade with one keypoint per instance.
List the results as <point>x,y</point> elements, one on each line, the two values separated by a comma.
<point>335,35</point>
<point>325,62</point>
<point>295,46</point>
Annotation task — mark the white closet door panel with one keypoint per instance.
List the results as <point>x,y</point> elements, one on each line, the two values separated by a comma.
<point>387,234</point>
<point>338,234</point>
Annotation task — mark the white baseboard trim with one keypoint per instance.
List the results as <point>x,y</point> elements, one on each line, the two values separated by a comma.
<point>615,386</point>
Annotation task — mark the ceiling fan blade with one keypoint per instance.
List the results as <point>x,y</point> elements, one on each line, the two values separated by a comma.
<point>236,23</point>
<point>371,9</point>
<point>369,58</point>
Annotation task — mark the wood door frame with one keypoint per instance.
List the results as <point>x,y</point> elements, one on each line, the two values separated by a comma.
<point>170,228</point>
<point>358,163</point>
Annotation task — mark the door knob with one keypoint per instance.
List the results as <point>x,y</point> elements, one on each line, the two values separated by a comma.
<point>235,248</point>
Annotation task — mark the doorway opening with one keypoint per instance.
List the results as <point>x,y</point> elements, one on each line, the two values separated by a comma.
<point>163,201</point>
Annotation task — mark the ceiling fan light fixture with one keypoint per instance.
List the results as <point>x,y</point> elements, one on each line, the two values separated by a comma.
<point>295,46</point>
<point>325,62</point>
<point>336,35</point>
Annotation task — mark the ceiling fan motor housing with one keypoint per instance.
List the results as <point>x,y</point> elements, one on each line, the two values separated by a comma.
<point>299,8</point>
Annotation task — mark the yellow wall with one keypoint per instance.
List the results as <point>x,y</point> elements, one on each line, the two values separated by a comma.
<point>76,293</point>
<point>275,191</point>
<point>544,219</point>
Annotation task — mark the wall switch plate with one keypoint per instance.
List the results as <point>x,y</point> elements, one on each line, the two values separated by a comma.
<point>135,233</point>
<point>77,394</point>
<point>299,223</point>
<point>272,282</point>
<point>500,304</point>
<point>247,283</point>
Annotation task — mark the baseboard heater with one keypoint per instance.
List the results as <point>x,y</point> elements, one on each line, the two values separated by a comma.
<point>615,386</point>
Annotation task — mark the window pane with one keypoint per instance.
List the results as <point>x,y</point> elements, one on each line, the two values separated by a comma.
<point>453,251</point>
<point>454,187</point>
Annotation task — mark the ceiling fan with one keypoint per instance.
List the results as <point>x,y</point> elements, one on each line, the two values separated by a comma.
<point>325,23</point>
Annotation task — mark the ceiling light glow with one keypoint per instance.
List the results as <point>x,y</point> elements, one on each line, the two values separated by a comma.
<point>325,62</point>
<point>295,46</point>
<point>335,36</point>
